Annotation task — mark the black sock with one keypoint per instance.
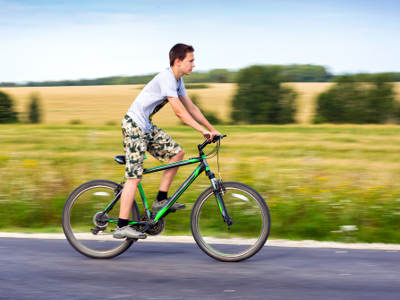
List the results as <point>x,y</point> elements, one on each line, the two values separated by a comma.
<point>122,222</point>
<point>162,195</point>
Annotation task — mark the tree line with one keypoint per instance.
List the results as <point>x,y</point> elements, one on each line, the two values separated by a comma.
<point>290,73</point>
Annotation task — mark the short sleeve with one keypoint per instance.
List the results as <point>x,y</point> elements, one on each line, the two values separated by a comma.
<point>168,86</point>
<point>181,88</point>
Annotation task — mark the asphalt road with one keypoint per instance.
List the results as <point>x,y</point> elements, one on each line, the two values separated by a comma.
<point>52,269</point>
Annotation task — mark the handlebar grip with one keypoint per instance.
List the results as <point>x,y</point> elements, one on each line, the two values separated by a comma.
<point>205,143</point>
<point>218,137</point>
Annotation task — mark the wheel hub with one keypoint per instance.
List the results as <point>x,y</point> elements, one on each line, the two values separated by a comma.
<point>100,220</point>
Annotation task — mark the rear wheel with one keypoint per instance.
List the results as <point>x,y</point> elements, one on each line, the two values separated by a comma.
<point>250,228</point>
<point>86,227</point>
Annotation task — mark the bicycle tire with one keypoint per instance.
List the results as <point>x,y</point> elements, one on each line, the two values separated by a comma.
<point>72,237</point>
<point>246,197</point>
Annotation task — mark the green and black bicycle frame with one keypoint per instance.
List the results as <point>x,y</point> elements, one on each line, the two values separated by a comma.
<point>217,186</point>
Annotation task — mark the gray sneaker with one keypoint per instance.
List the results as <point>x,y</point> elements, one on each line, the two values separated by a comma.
<point>157,205</point>
<point>128,232</point>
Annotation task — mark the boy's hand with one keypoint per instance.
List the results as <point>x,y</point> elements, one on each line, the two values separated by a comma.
<point>207,135</point>
<point>214,133</point>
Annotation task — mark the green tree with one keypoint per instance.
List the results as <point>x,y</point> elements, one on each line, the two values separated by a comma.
<point>7,113</point>
<point>351,101</point>
<point>261,98</point>
<point>34,109</point>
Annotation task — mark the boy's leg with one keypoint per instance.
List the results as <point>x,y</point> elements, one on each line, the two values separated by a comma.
<point>126,201</point>
<point>166,181</point>
<point>134,146</point>
<point>164,148</point>
<point>169,175</point>
<point>127,197</point>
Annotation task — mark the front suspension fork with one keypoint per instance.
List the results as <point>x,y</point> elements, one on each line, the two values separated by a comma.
<point>218,190</point>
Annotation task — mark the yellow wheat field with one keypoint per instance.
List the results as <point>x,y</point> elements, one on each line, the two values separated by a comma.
<point>99,105</point>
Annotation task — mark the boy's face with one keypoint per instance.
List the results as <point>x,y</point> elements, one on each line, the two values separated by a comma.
<point>187,64</point>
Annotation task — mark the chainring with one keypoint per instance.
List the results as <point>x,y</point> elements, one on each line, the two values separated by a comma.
<point>156,228</point>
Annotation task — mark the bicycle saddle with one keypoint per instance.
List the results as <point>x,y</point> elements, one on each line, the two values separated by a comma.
<point>120,159</point>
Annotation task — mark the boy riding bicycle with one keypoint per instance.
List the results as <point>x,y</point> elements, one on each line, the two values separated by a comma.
<point>140,134</point>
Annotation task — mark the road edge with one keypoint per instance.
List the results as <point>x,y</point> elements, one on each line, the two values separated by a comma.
<point>189,239</point>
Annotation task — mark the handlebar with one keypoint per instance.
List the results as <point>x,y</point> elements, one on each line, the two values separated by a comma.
<point>215,139</point>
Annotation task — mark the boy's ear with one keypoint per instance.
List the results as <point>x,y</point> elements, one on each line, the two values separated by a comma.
<point>177,60</point>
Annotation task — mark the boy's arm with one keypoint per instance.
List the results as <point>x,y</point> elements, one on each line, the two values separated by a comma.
<point>197,114</point>
<point>186,118</point>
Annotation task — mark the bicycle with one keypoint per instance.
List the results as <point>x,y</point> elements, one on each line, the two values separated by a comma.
<point>230,221</point>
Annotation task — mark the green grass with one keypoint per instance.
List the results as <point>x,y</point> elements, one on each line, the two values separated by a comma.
<point>315,179</point>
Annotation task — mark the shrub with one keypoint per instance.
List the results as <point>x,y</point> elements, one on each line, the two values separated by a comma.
<point>75,122</point>
<point>111,123</point>
<point>351,101</point>
<point>210,115</point>
<point>7,113</point>
<point>34,109</point>
<point>261,98</point>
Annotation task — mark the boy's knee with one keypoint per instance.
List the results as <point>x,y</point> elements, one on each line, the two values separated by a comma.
<point>181,154</point>
<point>132,181</point>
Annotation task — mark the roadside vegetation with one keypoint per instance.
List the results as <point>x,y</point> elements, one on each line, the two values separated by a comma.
<point>321,182</point>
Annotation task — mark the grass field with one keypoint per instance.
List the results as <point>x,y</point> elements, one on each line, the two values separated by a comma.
<point>320,182</point>
<point>100,105</point>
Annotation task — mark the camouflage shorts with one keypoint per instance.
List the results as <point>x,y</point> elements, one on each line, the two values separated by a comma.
<point>136,142</point>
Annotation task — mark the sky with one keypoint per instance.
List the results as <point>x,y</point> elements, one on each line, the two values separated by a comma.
<point>56,40</point>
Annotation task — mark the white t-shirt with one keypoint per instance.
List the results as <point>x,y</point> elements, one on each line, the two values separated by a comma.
<point>154,96</point>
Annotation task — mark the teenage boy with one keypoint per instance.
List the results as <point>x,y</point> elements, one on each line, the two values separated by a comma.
<point>140,134</point>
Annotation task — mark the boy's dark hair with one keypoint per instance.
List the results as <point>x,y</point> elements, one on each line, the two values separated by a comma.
<point>179,51</point>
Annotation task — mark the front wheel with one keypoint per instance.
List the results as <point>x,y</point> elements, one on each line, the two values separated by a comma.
<point>85,225</point>
<point>250,228</point>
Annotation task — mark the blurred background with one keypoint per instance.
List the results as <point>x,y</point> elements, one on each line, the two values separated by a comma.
<point>307,92</point>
